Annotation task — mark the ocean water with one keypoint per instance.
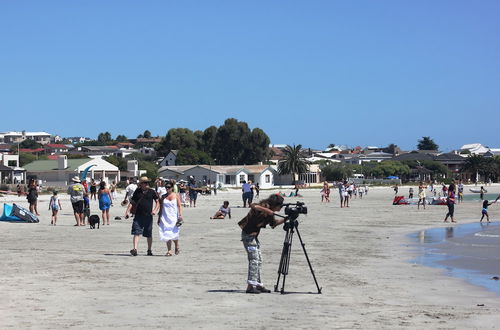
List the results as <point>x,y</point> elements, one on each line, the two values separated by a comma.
<point>468,251</point>
<point>475,197</point>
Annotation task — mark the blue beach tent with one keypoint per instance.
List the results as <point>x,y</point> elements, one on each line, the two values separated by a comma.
<point>14,213</point>
<point>392,177</point>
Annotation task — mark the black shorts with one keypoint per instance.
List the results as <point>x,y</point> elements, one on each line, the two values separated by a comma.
<point>142,225</point>
<point>78,207</point>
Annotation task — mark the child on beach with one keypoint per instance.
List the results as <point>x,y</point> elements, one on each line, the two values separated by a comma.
<point>223,211</point>
<point>484,211</point>
<point>86,207</point>
<point>325,192</point>
<point>55,206</point>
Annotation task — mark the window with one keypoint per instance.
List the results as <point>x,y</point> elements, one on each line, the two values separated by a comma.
<point>242,178</point>
<point>268,178</point>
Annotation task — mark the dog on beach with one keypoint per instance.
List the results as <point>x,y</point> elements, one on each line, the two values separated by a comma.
<point>93,220</point>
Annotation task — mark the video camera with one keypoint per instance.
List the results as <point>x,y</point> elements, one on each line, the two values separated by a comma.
<point>292,210</point>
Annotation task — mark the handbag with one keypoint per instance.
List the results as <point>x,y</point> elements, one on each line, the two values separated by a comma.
<point>133,209</point>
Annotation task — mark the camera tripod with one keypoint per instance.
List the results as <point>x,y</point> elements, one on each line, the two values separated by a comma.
<point>291,226</point>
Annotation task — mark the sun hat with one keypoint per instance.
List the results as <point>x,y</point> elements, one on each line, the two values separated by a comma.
<point>144,179</point>
<point>76,179</point>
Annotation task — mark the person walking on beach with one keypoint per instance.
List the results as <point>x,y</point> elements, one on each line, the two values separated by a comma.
<point>129,191</point>
<point>325,192</point>
<point>421,194</point>
<point>259,216</point>
<point>193,191</point>
<point>142,204</point>
<point>484,211</point>
<point>396,189</point>
<point>410,192</point>
<point>257,190</point>
<point>246,194</point>
<point>481,193</point>
<point>55,206</point>
<point>112,188</point>
<point>170,219</point>
<point>32,197</point>
<point>105,202</point>
<point>345,195</point>
<point>93,189</point>
<point>460,190</point>
<point>76,190</point>
<point>182,192</point>
<point>450,202</point>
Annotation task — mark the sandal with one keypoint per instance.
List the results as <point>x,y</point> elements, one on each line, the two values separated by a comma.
<point>177,251</point>
<point>169,254</point>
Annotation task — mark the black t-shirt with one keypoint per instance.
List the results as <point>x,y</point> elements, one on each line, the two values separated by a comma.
<point>144,201</point>
<point>255,220</point>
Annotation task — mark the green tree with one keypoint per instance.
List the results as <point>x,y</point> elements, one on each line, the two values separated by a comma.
<point>192,156</point>
<point>473,164</point>
<point>294,162</point>
<point>29,144</point>
<point>104,138</point>
<point>146,134</point>
<point>336,171</point>
<point>426,143</point>
<point>120,162</point>
<point>150,167</point>
<point>177,139</point>
<point>391,148</point>
<point>231,142</point>
<point>208,139</point>
<point>257,148</point>
<point>121,138</point>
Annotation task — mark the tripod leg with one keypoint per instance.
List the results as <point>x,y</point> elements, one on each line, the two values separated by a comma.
<point>283,267</point>
<point>287,260</point>
<point>307,258</point>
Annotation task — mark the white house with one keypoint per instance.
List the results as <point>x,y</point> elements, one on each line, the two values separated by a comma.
<point>60,171</point>
<point>18,137</point>
<point>169,159</point>
<point>222,176</point>
<point>475,148</point>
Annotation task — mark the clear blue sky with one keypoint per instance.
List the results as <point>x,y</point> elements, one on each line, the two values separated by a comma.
<point>306,72</point>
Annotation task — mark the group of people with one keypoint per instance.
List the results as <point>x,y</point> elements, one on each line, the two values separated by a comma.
<point>145,203</point>
<point>347,190</point>
<point>249,192</point>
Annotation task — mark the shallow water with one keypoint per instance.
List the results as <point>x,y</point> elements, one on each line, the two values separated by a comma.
<point>475,197</point>
<point>469,251</point>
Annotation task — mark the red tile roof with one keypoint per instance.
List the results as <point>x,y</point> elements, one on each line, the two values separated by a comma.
<point>56,146</point>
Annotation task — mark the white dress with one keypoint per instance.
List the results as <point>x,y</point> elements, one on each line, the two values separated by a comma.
<point>169,215</point>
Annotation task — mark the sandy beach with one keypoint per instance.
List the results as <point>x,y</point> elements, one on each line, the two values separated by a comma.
<point>57,277</point>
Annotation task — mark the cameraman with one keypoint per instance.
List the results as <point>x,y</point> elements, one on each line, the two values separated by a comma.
<point>259,216</point>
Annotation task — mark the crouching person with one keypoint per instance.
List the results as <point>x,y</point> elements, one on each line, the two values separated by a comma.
<point>259,216</point>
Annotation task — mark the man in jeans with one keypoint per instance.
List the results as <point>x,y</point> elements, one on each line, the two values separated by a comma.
<point>142,200</point>
<point>76,190</point>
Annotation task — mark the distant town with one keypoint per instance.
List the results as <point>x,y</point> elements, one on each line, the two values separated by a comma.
<point>53,160</point>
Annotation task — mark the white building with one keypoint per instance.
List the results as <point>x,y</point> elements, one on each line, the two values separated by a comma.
<point>18,137</point>
<point>222,176</point>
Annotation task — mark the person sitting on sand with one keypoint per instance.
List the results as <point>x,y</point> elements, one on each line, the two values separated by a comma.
<point>484,211</point>
<point>223,211</point>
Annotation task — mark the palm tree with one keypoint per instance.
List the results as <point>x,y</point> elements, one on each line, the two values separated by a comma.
<point>473,164</point>
<point>294,161</point>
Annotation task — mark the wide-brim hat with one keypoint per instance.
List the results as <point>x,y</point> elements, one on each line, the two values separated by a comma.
<point>76,179</point>
<point>144,179</point>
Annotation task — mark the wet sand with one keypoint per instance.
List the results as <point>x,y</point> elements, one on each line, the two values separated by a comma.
<point>74,277</point>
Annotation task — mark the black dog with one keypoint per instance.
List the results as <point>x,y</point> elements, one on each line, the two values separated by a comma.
<point>93,220</point>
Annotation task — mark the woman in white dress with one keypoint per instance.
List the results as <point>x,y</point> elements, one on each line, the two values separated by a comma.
<point>170,219</point>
